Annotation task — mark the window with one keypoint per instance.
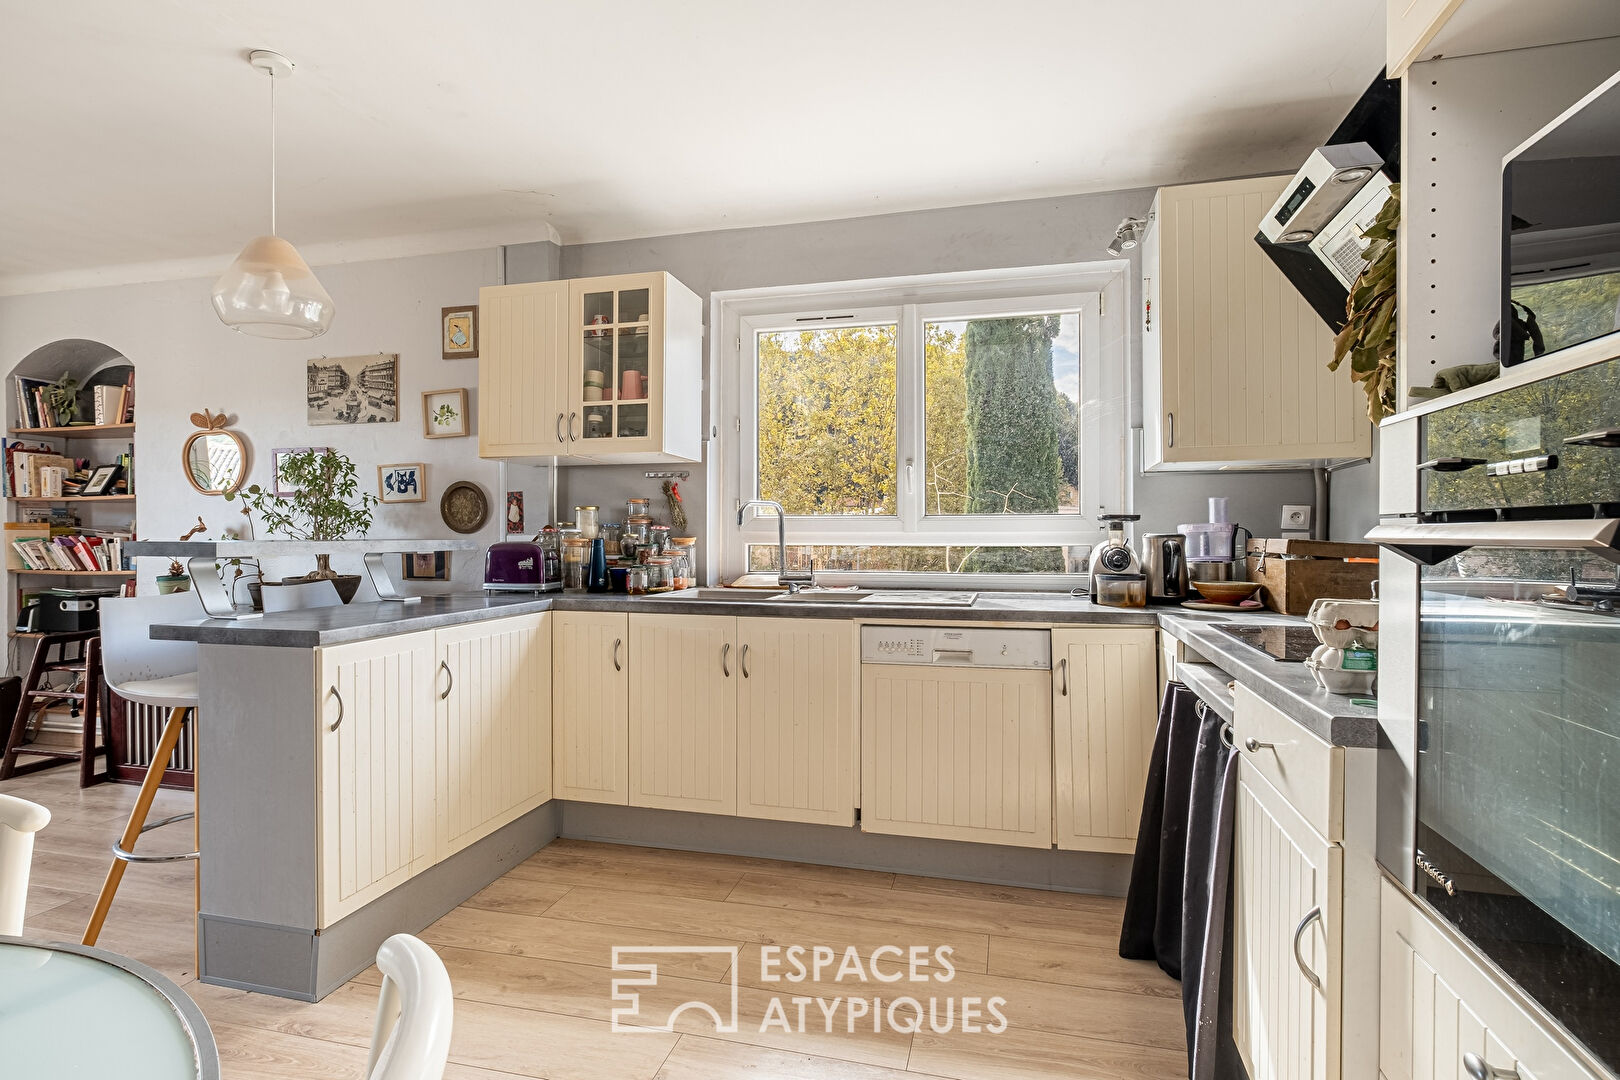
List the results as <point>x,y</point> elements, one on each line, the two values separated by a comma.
<point>940,426</point>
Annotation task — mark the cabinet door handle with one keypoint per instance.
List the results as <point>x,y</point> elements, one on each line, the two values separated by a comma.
<point>573,416</point>
<point>1063,670</point>
<point>333,692</point>
<point>450,679</point>
<point>562,436</point>
<point>1254,745</point>
<point>1299,961</point>
<point>1451,464</point>
<point>1170,429</point>
<point>617,644</point>
<point>742,661</point>
<point>725,659</point>
<point>1477,1069</point>
<point>1608,438</point>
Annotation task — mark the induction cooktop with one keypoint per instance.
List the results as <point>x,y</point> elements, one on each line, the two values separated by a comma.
<point>1291,643</point>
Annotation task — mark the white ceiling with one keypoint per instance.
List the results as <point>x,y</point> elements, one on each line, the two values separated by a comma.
<point>136,133</point>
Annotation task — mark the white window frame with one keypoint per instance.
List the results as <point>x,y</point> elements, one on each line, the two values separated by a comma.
<point>1090,288</point>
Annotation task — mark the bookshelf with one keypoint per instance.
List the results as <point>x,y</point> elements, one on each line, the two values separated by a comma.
<point>79,431</point>
<point>40,500</point>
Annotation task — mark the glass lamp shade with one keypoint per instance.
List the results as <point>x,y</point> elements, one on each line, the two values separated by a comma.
<point>270,292</point>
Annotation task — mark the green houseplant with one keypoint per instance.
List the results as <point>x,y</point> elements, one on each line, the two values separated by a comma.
<point>1368,337</point>
<point>326,503</point>
<point>62,396</point>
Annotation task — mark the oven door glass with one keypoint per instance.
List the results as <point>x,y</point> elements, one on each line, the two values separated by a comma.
<point>1519,773</point>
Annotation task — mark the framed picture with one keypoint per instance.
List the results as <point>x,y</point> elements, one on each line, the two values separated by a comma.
<point>280,486</point>
<point>444,414</point>
<point>402,483</point>
<point>425,566</point>
<point>514,512</point>
<point>102,480</point>
<point>459,332</point>
<point>352,389</point>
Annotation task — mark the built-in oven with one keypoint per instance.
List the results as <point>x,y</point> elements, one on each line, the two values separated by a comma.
<point>1501,805</point>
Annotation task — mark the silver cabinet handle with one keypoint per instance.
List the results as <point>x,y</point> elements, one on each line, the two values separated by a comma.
<point>617,644</point>
<point>742,660</point>
<point>562,436</point>
<point>333,692</point>
<point>1253,745</point>
<point>1475,1067</point>
<point>571,418</point>
<point>1063,670</point>
<point>1299,961</point>
<point>450,679</point>
<point>1608,438</point>
<point>725,659</point>
<point>1170,429</point>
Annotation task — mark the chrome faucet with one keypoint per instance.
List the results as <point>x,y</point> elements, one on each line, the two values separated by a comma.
<point>791,580</point>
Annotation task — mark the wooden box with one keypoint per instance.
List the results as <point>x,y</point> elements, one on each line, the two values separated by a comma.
<point>1296,572</point>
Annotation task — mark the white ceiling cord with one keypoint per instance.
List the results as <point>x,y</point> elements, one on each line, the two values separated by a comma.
<point>271,75</point>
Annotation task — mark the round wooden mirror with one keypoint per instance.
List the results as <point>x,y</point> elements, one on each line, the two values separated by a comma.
<point>214,460</point>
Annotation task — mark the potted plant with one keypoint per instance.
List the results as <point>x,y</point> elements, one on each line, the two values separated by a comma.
<point>176,580</point>
<point>62,398</point>
<point>326,504</point>
<point>1368,337</point>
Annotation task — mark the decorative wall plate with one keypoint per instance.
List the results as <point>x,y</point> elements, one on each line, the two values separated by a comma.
<point>464,507</point>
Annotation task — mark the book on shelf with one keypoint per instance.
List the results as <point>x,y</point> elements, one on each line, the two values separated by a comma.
<point>67,552</point>
<point>108,402</point>
<point>26,481</point>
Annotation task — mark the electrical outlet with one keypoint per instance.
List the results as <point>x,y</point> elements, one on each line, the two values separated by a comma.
<point>1296,518</point>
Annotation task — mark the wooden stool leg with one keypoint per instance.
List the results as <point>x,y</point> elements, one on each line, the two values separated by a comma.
<point>19,726</point>
<point>137,818</point>
<point>92,703</point>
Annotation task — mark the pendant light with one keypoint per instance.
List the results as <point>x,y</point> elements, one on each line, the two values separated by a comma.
<point>269,290</point>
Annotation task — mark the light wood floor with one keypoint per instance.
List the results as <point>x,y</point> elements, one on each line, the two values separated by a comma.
<point>530,959</point>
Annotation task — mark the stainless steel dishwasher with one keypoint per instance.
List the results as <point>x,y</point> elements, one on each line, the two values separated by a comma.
<point>956,733</point>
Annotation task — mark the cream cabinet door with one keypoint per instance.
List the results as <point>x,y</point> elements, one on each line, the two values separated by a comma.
<point>1234,359</point>
<point>590,706</point>
<point>494,725</point>
<point>375,751</point>
<point>683,712</point>
<point>1285,1027</point>
<point>957,753</point>
<point>797,719</point>
<point>523,404</point>
<point>1103,718</point>
<point>1438,1002</point>
<point>1409,27</point>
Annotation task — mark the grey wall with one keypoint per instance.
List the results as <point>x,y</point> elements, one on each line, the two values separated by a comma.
<point>1031,232</point>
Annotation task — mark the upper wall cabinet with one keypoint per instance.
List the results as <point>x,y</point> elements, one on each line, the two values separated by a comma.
<point>606,369</point>
<point>1234,361</point>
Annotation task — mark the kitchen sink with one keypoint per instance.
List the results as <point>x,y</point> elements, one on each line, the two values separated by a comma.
<point>825,596</point>
<point>708,594</point>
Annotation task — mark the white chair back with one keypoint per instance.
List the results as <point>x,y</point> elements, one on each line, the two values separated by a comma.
<point>128,653</point>
<point>19,821</point>
<point>300,595</point>
<point>411,1038</point>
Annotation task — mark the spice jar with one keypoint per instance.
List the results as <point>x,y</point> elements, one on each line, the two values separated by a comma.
<point>586,517</point>
<point>658,536</point>
<point>658,575</point>
<point>636,535</point>
<point>576,563</point>
<point>613,535</point>
<point>634,508</point>
<point>635,581</point>
<point>680,571</point>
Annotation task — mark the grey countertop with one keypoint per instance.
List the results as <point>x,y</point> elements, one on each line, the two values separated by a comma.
<point>1288,686</point>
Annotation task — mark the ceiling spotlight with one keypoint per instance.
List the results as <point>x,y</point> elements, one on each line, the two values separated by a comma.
<point>1127,236</point>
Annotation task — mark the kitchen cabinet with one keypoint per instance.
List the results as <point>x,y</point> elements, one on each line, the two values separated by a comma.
<point>605,369</point>
<point>376,758</point>
<point>683,712</point>
<point>1439,1001</point>
<point>1409,27</point>
<point>957,753</point>
<point>1103,722</point>
<point>798,719</point>
<point>590,743</point>
<point>1285,945</point>
<point>493,718</point>
<point>1234,360</point>
<point>523,399</point>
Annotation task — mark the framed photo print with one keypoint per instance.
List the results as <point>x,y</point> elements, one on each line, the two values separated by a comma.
<point>458,329</point>
<point>102,480</point>
<point>426,566</point>
<point>280,486</point>
<point>352,389</point>
<point>402,483</point>
<point>444,414</point>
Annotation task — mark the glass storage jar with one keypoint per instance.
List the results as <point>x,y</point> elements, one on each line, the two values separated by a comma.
<point>634,508</point>
<point>658,536</point>
<point>658,575</point>
<point>586,518</point>
<point>576,563</point>
<point>636,535</point>
<point>613,534</point>
<point>635,581</point>
<point>680,570</point>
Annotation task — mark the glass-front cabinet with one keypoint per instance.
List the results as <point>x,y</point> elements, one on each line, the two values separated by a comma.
<point>629,357</point>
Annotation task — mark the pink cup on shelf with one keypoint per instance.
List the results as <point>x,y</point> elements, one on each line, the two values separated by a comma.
<point>631,386</point>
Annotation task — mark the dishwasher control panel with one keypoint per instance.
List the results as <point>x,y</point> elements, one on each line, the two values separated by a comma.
<point>946,646</point>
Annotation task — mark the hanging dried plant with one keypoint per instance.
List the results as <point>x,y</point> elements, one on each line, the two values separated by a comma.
<point>1368,338</point>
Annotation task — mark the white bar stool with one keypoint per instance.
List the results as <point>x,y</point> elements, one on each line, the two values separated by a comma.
<point>410,1038</point>
<point>19,821</point>
<point>162,674</point>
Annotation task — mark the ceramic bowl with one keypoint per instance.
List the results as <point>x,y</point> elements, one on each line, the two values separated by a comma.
<point>1226,592</point>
